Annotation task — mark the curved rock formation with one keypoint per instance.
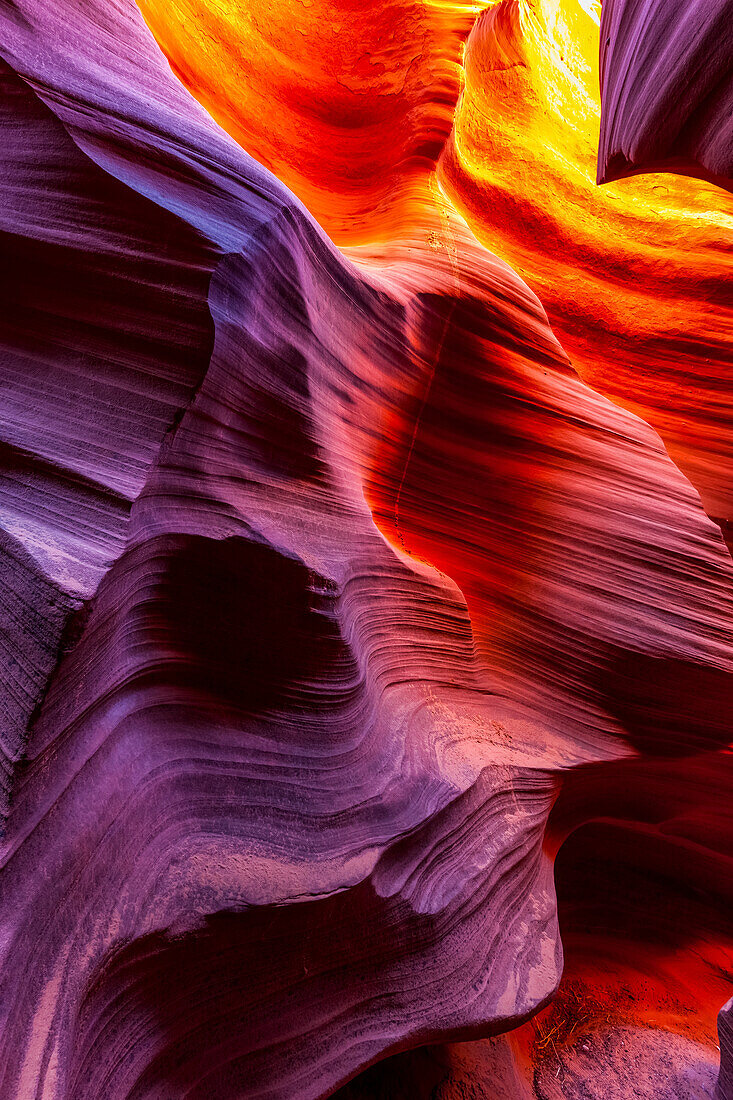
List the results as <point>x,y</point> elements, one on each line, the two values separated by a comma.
<point>725,1033</point>
<point>363,94</point>
<point>667,80</point>
<point>343,618</point>
<point>634,275</point>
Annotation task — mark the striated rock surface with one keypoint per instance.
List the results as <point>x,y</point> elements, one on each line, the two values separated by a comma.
<point>725,1034</point>
<point>363,94</point>
<point>354,647</point>
<point>667,82</point>
<point>634,275</point>
<point>105,333</point>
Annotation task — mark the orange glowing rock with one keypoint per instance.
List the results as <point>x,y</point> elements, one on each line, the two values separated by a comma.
<point>347,102</point>
<point>365,658</point>
<point>634,275</point>
<point>350,105</point>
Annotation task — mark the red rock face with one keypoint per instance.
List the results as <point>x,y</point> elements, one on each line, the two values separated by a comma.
<point>367,670</point>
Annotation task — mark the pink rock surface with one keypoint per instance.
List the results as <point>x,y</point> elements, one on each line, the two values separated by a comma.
<point>340,580</point>
<point>725,1034</point>
<point>667,88</point>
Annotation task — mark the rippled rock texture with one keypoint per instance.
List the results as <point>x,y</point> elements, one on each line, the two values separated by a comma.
<point>366,609</point>
<point>667,79</point>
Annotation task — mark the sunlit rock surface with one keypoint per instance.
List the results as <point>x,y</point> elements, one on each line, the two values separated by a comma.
<point>367,659</point>
<point>634,275</point>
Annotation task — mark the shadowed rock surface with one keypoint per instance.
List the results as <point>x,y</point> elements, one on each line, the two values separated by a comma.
<point>355,649</point>
<point>667,81</point>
